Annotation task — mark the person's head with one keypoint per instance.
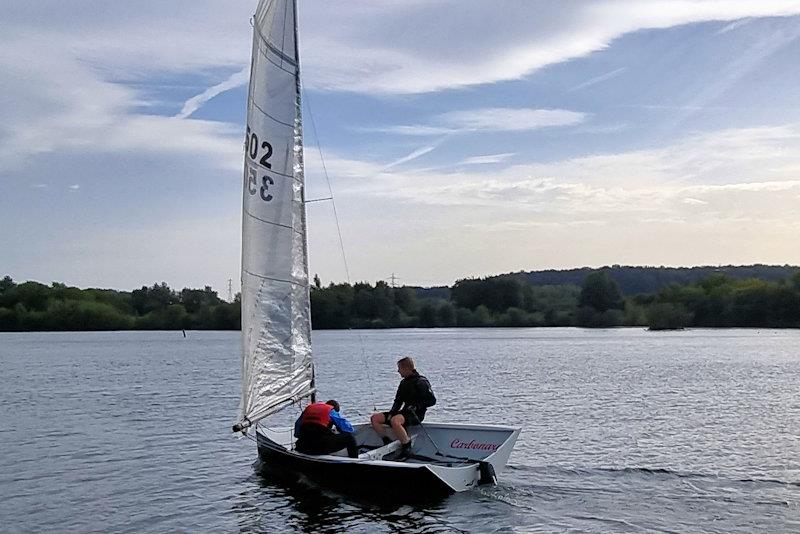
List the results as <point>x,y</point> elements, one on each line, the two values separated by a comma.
<point>333,403</point>
<point>405,366</point>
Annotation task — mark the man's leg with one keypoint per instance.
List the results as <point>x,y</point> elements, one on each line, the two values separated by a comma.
<point>377,421</point>
<point>331,443</point>
<point>312,440</point>
<point>349,441</point>
<point>397,425</point>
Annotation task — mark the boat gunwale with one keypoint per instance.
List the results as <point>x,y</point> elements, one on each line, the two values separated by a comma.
<point>333,458</point>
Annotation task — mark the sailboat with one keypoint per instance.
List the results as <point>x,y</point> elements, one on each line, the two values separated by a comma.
<point>277,364</point>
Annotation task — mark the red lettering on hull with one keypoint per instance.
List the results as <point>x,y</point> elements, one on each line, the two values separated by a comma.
<point>474,445</point>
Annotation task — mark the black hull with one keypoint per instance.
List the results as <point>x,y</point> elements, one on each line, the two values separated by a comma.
<point>363,479</point>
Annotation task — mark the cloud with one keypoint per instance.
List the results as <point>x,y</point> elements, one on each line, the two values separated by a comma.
<point>131,41</point>
<point>412,156</point>
<point>412,130</point>
<point>733,171</point>
<point>490,120</point>
<point>510,119</point>
<point>598,79</point>
<point>52,101</point>
<point>600,128</point>
<point>352,55</point>
<point>486,159</point>
<point>83,80</point>
<point>723,196</point>
<point>752,187</point>
<point>86,93</point>
<point>730,74</point>
<point>694,201</point>
<point>83,92</point>
<point>193,104</point>
<point>74,187</point>
<point>734,25</point>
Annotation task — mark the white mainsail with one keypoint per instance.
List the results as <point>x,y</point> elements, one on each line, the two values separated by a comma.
<point>276,322</point>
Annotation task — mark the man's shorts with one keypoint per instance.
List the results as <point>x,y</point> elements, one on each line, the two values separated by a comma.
<point>409,416</point>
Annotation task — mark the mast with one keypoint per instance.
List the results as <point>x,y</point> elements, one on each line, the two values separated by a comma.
<point>299,89</point>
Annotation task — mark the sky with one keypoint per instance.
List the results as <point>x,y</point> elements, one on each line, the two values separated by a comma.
<point>461,137</point>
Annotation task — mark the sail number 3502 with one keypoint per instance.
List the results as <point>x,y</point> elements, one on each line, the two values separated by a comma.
<point>254,149</point>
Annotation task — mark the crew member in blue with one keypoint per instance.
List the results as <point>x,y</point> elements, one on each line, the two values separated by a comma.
<point>414,396</point>
<point>314,430</point>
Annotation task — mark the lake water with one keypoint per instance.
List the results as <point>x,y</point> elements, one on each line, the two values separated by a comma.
<point>623,431</point>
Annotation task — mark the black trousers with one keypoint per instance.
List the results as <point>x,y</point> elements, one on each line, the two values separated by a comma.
<point>316,439</point>
<point>409,415</point>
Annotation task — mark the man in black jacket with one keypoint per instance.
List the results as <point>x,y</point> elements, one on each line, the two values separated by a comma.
<point>414,396</point>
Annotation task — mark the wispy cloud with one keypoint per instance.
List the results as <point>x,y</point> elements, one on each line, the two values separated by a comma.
<point>600,128</point>
<point>348,57</point>
<point>411,130</point>
<point>74,187</point>
<point>510,119</point>
<point>733,171</point>
<point>731,73</point>
<point>694,201</point>
<point>57,92</point>
<point>486,159</point>
<point>490,120</point>
<point>598,79</point>
<point>193,104</point>
<point>413,155</point>
<point>734,25</point>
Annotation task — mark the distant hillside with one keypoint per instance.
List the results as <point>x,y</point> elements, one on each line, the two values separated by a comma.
<point>437,292</point>
<point>633,280</point>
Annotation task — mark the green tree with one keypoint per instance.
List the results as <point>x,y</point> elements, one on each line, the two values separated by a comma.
<point>427,314</point>
<point>601,293</point>
<point>496,293</point>
<point>446,314</point>
<point>148,299</point>
<point>195,299</point>
<point>406,299</point>
<point>32,295</point>
<point>667,316</point>
<point>8,293</point>
<point>332,307</point>
<point>8,320</point>
<point>6,284</point>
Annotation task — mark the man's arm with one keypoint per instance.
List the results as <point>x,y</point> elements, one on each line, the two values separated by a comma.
<point>297,426</point>
<point>398,401</point>
<point>341,424</point>
<point>424,393</point>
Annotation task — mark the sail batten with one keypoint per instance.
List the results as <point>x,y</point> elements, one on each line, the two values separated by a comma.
<point>277,369</point>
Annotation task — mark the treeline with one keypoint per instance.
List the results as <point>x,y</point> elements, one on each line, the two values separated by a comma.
<point>489,302</point>
<point>508,300</point>
<point>633,280</point>
<point>716,301</point>
<point>31,306</point>
<point>719,301</point>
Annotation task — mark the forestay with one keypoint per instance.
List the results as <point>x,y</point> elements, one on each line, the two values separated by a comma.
<point>276,331</point>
